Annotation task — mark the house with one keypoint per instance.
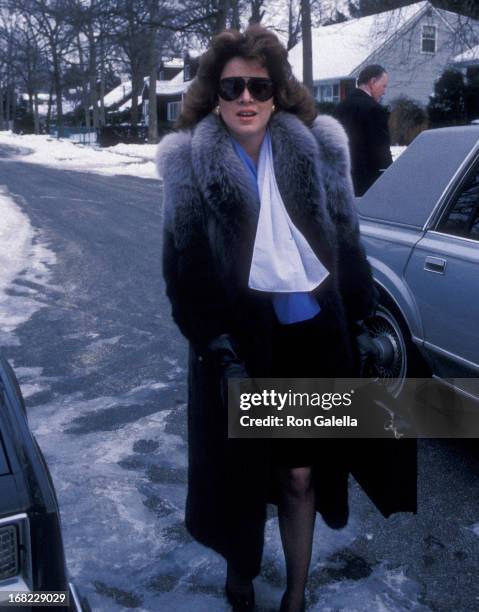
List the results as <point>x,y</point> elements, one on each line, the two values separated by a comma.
<point>68,105</point>
<point>119,99</point>
<point>170,91</point>
<point>173,79</point>
<point>414,43</point>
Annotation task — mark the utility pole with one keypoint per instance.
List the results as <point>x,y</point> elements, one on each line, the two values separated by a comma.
<point>307,44</point>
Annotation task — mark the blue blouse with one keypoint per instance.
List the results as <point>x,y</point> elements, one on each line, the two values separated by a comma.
<point>290,307</point>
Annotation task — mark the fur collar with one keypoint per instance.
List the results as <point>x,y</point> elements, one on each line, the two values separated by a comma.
<point>207,155</point>
<point>311,166</point>
<point>216,164</point>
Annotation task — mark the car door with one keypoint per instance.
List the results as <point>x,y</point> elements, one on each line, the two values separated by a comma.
<point>443,274</point>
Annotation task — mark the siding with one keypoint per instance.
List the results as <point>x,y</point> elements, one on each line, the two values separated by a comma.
<point>411,72</point>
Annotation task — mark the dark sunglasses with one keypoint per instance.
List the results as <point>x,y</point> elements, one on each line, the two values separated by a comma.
<point>232,87</point>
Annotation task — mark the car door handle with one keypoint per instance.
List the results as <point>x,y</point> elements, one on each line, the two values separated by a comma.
<point>435,264</point>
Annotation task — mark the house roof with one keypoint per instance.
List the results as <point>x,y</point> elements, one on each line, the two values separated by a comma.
<point>174,62</point>
<point>469,57</point>
<point>341,48</point>
<point>126,105</point>
<point>117,94</point>
<point>173,86</point>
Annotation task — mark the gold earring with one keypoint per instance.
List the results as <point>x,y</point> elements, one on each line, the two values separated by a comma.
<point>273,108</point>
<point>216,110</point>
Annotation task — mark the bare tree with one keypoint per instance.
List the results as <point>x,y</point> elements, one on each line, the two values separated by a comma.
<point>294,23</point>
<point>31,66</point>
<point>8,37</point>
<point>48,19</point>
<point>307,44</point>
<point>257,11</point>
<point>153,59</point>
<point>131,31</point>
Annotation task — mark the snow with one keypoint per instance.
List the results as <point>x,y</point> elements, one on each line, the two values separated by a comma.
<point>471,55</point>
<point>174,62</point>
<point>176,85</point>
<point>116,95</point>
<point>126,105</point>
<point>22,254</point>
<point>341,48</point>
<point>133,160</point>
<point>15,236</point>
<point>396,151</point>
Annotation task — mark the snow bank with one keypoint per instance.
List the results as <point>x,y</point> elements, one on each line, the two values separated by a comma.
<point>16,235</point>
<point>23,255</point>
<point>133,160</point>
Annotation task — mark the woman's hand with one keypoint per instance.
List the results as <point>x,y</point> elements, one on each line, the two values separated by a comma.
<point>224,350</point>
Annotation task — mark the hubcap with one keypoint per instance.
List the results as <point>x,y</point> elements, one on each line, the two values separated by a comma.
<point>392,366</point>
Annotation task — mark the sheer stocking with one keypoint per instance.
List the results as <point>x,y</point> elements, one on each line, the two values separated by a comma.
<point>296,512</point>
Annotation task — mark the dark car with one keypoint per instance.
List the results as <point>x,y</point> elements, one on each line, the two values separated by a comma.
<point>32,557</point>
<point>420,227</point>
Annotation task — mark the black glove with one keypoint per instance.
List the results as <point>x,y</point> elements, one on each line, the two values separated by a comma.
<point>224,350</point>
<point>367,348</point>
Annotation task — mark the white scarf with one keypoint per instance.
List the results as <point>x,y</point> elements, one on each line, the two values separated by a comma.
<point>283,261</point>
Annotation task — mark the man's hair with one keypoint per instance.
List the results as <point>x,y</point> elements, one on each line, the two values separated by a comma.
<point>373,71</point>
<point>255,44</point>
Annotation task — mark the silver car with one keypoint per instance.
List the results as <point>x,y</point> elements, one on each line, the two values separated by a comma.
<point>420,227</point>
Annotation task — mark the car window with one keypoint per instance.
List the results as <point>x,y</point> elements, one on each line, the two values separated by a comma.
<point>463,217</point>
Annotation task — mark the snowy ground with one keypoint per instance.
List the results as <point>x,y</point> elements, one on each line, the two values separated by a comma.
<point>134,160</point>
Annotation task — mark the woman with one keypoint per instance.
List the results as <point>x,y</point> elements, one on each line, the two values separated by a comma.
<point>254,183</point>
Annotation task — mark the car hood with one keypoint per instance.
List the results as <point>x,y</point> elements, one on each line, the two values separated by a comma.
<point>409,189</point>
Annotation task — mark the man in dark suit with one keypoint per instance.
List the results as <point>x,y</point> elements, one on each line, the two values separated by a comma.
<point>366,124</point>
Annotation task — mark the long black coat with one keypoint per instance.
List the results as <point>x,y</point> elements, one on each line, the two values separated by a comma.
<point>210,217</point>
<point>366,124</point>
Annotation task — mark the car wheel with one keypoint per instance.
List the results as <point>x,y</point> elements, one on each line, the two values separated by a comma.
<point>400,358</point>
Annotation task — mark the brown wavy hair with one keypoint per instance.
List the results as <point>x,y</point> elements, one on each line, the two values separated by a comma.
<point>255,44</point>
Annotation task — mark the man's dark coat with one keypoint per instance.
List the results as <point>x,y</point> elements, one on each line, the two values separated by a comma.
<point>366,124</point>
<point>210,216</point>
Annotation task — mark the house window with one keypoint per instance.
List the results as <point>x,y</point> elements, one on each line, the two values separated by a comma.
<point>328,93</point>
<point>173,110</point>
<point>428,41</point>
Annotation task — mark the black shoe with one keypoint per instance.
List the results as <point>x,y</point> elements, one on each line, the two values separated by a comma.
<point>240,601</point>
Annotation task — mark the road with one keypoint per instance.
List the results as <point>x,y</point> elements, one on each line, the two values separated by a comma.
<point>103,368</point>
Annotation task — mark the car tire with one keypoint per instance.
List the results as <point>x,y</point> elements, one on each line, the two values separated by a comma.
<point>404,359</point>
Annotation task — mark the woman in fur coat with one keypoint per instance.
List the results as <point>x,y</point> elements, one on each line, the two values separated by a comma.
<point>266,277</point>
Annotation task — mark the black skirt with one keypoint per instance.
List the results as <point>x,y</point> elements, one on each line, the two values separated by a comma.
<point>303,350</point>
